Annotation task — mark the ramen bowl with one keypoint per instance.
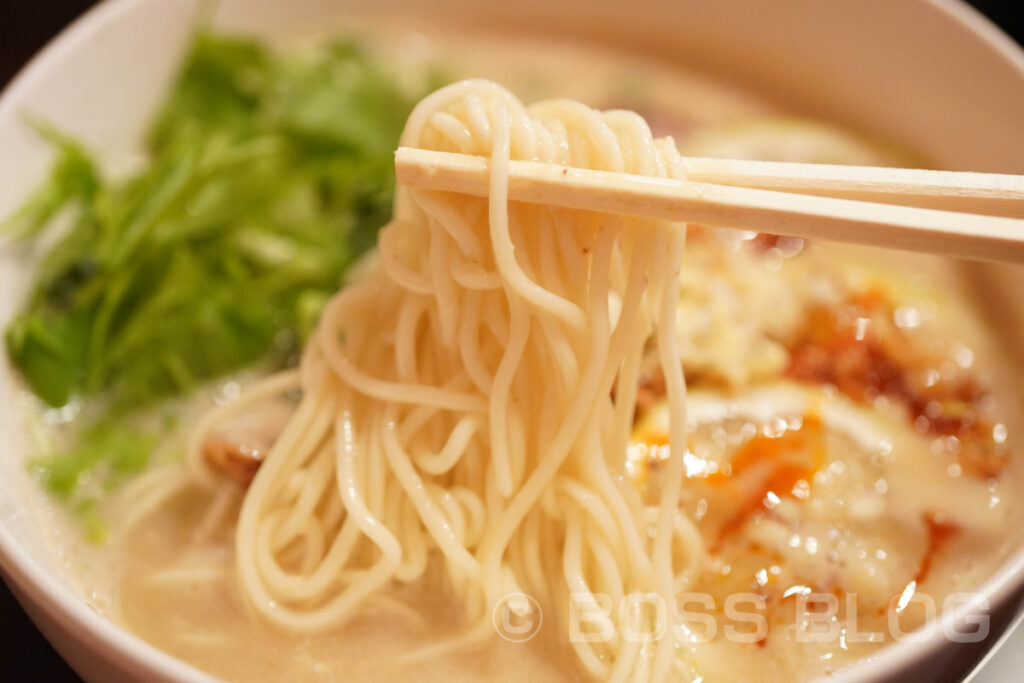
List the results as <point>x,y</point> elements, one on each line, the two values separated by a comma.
<point>933,75</point>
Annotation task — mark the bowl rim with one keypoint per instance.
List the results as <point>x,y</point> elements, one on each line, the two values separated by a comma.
<point>104,638</point>
<point>20,570</point>
<point>1009,577</point>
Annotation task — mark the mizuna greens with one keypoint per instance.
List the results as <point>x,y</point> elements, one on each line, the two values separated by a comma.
<point>268,176</point>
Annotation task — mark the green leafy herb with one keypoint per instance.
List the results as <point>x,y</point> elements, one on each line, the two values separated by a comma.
<point>268,176</point>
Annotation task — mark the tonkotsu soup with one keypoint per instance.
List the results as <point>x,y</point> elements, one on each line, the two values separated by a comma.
<point>520,442</point>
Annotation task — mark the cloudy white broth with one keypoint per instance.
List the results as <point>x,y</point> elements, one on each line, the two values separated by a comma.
<point>848,465</point>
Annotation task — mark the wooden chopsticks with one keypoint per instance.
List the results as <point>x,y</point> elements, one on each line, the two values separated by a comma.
<point>969,215</point>
<point>991,194</point>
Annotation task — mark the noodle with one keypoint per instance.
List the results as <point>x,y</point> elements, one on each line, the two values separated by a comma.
<point>468,403</point>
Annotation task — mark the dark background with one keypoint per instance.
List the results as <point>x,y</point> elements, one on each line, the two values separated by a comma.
<point>24,28</point>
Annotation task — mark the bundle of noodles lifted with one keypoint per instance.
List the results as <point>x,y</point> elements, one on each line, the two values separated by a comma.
<point>466,406</point>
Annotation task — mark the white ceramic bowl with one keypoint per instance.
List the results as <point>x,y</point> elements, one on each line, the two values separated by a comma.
<point>932,74</point>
